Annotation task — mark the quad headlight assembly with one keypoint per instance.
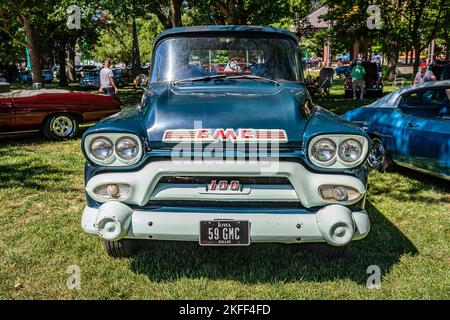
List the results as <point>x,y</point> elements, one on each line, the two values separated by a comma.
<point>113,149</point>
<point>338,151</point>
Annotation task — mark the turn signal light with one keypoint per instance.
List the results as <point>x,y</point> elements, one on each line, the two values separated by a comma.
<point>338,193</point>
<point>113,191</point>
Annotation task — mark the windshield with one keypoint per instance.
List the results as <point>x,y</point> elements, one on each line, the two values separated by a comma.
<point>187,57</point>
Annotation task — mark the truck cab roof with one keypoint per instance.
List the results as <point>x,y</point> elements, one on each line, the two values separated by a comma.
<point>231,29</point>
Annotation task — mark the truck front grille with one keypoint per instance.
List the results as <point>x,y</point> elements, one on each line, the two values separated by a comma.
<point>207,180</point>
<point>254,189</point>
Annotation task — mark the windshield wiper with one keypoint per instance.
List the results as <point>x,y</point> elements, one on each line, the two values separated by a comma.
<point>226,76</point>
<point>205,78</point>
<point>251,77</point>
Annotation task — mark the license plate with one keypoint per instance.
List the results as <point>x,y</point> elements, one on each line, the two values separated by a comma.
<point>224,233</point>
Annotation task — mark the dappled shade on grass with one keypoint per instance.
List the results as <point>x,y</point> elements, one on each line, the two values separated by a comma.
<point>259,263</point>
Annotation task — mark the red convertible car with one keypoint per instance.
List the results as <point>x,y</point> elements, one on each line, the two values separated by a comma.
<point>57,113</point>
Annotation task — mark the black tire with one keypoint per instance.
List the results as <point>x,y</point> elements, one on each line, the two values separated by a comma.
<point>60,126</point>
<point>122,248</point>
<point>379,158</point>
<point>322,249</point>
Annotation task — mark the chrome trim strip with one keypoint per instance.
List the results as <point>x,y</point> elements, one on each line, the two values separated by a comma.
<point>17,132</point>
<point>412,167</point>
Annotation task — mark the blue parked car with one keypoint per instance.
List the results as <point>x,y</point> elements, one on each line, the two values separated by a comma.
<point>91,79</point>
<point>226,149</point>
<point>409,127</point>
<point>25,76</point>
<point>343,71</point>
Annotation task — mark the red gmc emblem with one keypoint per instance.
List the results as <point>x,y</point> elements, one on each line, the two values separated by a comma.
<point>210,135</point>
<point>223,185</point>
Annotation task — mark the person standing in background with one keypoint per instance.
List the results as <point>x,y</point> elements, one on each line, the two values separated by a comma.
<point>358,73</point>
<point>107,85</point>
<point>424,75</point>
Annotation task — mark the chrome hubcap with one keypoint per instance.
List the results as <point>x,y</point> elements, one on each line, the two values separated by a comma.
<point>376,156</point>
<point>62,126</point>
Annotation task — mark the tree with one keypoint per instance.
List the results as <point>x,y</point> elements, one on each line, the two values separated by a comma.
<point>239,12</point>
<point>60,37</point>
<point>28,14</point>
<point>116,40</point>
<point>10,50</point>
<point>425,19</point>
<point>393,32</point>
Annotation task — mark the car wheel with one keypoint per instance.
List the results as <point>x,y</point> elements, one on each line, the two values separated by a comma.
<point>122,248</point>
<point>378,157</point>
<point>322,249</point>
<point>60,127</point>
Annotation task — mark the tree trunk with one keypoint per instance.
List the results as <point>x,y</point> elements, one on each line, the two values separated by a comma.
<point>71,61</point>
<point>62,65</point>
<point>226,10</point>
<point>231,12</point>
<point>366,49</point>
<point>33,49</point>
<point>416,59</point>
<point>355,50</point>
<point>392,63</point>
<point>175,13</point>
<point>136,56</point>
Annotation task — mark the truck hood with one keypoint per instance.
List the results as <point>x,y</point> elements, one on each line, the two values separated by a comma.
<point>227,105</point>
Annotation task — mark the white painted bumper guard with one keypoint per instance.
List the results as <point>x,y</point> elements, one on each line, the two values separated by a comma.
<point>335,224</point>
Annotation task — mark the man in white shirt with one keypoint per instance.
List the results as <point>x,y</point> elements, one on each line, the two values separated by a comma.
<point>424,75</point>
<point>107,85</point>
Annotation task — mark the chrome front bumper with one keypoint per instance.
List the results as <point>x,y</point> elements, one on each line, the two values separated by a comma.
<point>133,216</point>
<point>334,224</point>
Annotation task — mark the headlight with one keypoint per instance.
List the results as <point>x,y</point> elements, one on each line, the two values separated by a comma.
<point>350,150</point>
<point>101,148</point>
<point>127,148</point>
<point>324,150</point>
<point>338,151</point>
<point>113,149</point>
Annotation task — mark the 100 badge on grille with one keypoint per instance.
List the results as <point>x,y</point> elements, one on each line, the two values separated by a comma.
<point>224,233</point>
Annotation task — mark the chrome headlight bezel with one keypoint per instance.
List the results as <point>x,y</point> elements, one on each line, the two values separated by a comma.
<point>337,162</point>
<point>119,152</point>
<point>324,140</point>
<point>355,143</point>
<point>115,159</point>
<point>105,140</point>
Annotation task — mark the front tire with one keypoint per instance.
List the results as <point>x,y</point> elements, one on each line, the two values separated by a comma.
<point>379,158</point>
<point>322,249</point>
<point>123,248</point>
<point>60,127</point>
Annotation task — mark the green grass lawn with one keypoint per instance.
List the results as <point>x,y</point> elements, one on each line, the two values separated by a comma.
<point>42,197</point>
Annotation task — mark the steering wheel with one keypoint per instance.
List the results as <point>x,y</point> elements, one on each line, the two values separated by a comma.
<point>236,64</point>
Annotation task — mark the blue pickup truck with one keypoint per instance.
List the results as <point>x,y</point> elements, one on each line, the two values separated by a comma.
<point>226,149</point>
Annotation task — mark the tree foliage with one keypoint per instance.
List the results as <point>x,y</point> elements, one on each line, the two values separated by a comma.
<point>116,40</point>
<point>40,25</point>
